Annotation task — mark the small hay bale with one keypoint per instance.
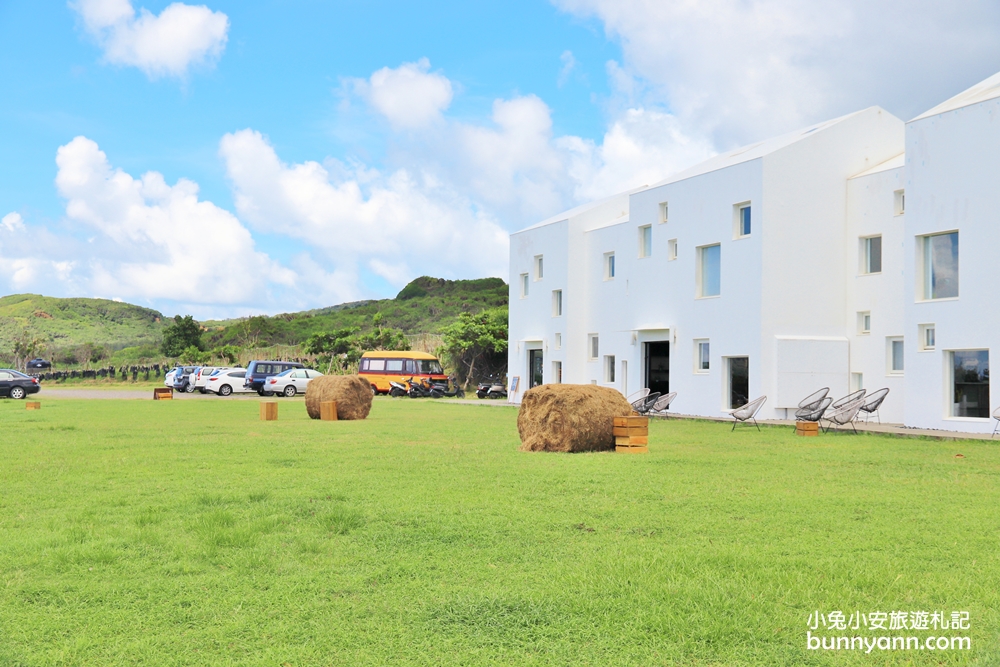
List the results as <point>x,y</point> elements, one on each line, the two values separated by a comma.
<point>570,418</point>
<point>352,393</point>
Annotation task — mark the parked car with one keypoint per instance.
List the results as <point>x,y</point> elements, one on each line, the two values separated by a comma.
<point>39,363</point>
<point>291,382</point>
<point>229,381</point>
<point>200,377</point>
<point>182,378</point>
<point>16,384</point>
<point>259,371</point>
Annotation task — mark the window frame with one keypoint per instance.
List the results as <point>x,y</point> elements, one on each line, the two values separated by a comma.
<point>524,285</point>
<point>664,212</point>
<point>671,250</point>
<point>593,347</point>
<point>864,318</point>
<point>556,372</point>
<point>539,267</point>
<point>609,369</point>
<point>557,303</point>
<point>557,340</point>
<point>609,265</point>
<point>899,202</point>
<point>645,241</point>
<point>890,355</point>
<point>950,387</point>
<point>925,264</point>
<point>699,369</point>
<point>700,271</point>
<point>866,255</point>
<point>738,220</point>
<point>923,330</point>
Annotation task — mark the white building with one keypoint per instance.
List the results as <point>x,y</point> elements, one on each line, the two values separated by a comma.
<point>854,253</point>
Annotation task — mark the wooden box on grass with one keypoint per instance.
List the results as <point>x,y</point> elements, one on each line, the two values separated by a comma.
<point>33,405</point>
<point>268,411</point>
<point>807,428</point>
<point>328,411</point>
<point>631,434</point>
<point>163,394</point>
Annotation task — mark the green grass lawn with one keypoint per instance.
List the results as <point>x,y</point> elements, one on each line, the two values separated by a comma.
<point>191,533</point>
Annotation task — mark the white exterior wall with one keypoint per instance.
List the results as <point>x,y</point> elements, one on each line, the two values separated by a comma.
<point>952,171</point>
<point>871,211</point>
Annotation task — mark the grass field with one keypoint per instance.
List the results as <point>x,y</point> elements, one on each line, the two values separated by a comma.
<point>191,533</point>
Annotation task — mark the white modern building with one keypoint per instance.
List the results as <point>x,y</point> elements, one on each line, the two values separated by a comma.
<point>856,253</point>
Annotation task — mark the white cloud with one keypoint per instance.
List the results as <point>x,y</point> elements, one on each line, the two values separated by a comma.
<point>397,225</point>
<point>568,64</point>
<point>167,44</point>
<point>409,96</point>
<point>12,222</point>
<point>741,71</point>
<point>159,241</point>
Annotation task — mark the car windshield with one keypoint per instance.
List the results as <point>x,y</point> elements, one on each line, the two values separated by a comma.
<point>429,366</point>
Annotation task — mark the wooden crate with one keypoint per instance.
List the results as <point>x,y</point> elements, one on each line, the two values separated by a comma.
<point>631,450</point>
<point>328,411</point>
<point>32,405</point>
<point>631,433</point>
<point>808,429</point>
<point>163,394</point>
<point>268,411</point>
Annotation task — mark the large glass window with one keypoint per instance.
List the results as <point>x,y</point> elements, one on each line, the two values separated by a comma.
<point>940,266</point>
<point>871,249</point>
<point>709,269</point>
<point>971,383</point>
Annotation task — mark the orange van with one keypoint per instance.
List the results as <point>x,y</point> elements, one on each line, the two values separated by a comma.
<point>379,368</point>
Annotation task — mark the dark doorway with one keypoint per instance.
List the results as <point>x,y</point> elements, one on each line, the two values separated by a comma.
<point>534,368</point>
<point>739,381</point>
<point>658,366</point>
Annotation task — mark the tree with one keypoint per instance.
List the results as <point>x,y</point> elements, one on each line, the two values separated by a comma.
<point>180,335</point>
<point>383,337</point>
<point>26,347</point>
<point>339,346</point>
<point>478,340</point>
<point>192,355</point>
<point>230,353</point>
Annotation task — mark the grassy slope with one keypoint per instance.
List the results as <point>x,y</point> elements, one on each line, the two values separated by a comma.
<point>424,306</point>
<point>67,322</point>
<point>189,533</point>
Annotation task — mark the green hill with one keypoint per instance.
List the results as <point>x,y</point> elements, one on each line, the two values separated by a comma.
<point>67,325</point>
<point>64,323</point>
<point>422,307</point>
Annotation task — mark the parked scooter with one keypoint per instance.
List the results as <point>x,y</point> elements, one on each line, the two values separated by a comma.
<point>447,390</point>
<point>397,389</point>
<point>424,389</point>
<point>491,388</point>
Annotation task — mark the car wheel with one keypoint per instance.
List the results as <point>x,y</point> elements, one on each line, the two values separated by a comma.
<point>225,390</point>
<point>17,393</point>
<point>289,391</point>
<point>189,389</point>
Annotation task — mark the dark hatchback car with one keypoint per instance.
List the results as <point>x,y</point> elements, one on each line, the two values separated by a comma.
<point>259,371</point>
<point>16,384</point>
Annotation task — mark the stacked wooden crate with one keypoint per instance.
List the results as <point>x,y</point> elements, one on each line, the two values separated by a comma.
<point>807,428</point>
<point>631,434</point>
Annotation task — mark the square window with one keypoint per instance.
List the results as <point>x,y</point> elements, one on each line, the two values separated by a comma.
<point>894,347</point>
<point>557,372</point>
<point>645,241</point>
<point>701,356</point>
<point>557,341</point>
<point>663,212</point>
<point>871,254</point>
<point>899,202</point>
<point>593,346</point>
<point>672,249</point>
<point>709,270</point>
<point>557,303</point>
<point>609,368</point>
<point>864,322</point>
<point>524,285</point>
<point>741,220</point>
<point>539,267</point>
<point>970,383</point>
<point>927,336</point>
<point>609,266</point>
<point>940,265</point>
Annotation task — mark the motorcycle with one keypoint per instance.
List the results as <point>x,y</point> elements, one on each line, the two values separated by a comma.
<point>424,389</point>
<point>397,389</point>
<point>491,388</point>
<point>452,381</point>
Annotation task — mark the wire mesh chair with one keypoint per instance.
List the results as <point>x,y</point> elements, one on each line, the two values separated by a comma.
<point>853,396</point>
<point>814,397</point>
<point>645,405</point>
<point>663,404</point>
<point>872,403</point>
<point>845,414</point>
<point>747,412</point>
<point>996,415</point>
<point>813,412</point>
<point>638,396</point>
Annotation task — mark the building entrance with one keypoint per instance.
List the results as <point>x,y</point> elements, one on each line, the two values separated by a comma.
<point>657,354</point>
<point>535,368</point>
<point>739,381</point>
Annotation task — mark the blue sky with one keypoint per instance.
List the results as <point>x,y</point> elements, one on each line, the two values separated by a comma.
<point>240,157</point>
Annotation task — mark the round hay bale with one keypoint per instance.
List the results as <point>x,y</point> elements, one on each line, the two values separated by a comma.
<point>570,418</point>
<point>353,394</point>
